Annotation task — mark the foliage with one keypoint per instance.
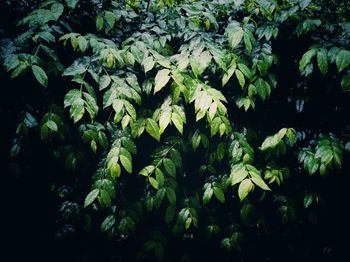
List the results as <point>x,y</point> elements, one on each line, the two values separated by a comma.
<point>161,111</point>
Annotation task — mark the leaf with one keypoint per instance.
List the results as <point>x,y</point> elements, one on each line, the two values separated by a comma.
<point>245,70</point>
<point>107,223</point>
<point>79,66</point>
<point>114,170</point>
<point>219,194</point>
<point>208,193</point>
<point>342,60</point>
<point>188,223</point>
<point>169,213</point>
<point>226,77</point>
<point>152,128</point>
<point>91,197</point>
<point>244,188</point>
<point>82,43</point>
<point>148,63</point>
<point>177,121</point>
<point>77,112</point>
<point>240,78</point>
<point>235,37</point>
<point>161,79</point>
<point>200,63</point>
<point>44,133</point>
<point>104,81</point>
<point>306,59</point>
<point>169,166</point>
<point>259,181</point>
<point>322,61</point>
<point>160,177</point>
<point>263,88</point>
<point>146,171</point>
<point>73,97</point>
<point>345,83</point>
<point>248,41</point>
<point>170,193</point>
<point>105,198</point>
<point>99,22</point>
<point>238,173</point>
<point>308,199</point>
<point>20,69</point>
<point>40,75</point>
<point>126,162</point>
<point>110,18</point>
<point>52,125</point>
<point>164,119</point>
<point>153,182</point>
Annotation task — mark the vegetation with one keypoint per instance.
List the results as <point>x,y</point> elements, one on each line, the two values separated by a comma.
<point>179,130</point>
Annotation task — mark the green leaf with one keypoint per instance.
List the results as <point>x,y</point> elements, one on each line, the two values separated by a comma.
<point>200,63</point>
<point>238,173</point>
<point>152,128</point>
<point>73,97</point>
<point>308,199</point>
<point>245,70</point>
<point>170,193</point>
<point>52,125</point>
<point>126,162</point>
<point>20,69</point>
<point>219,194</point>
<point>153,182</point>
<point>263,88</point>
<point>77,112</point>
<point>104,81</point>
<point>235,37</point>
<point>93,146</point>
<point>161,79</point>
<point>79,66</point>
<point>90,198</point>
<point>146,171</point>
<point>247,38</point>
<point>110,18</point>
<point>44,132</point>
<point>177,121</point>
<point>240,77</point>
<point>82,43</point>
<point>188,223</point>
<point>259,181</point>
<point>160,177</point>
<point>169,166</point>
<point>208,193</point>
<point>322,61</point>
<point>107,223</point>
<point>342,60</point>
<point>169,213</point>
<point>148,63</point>
<point>244,188</point>
<point>226,77</point>
<point>164,119</point>
<point>114,170</point>
<point>306,59</point>
<point>72,3</point>
<point>40,75</point>
<point>345,82</point>
<point>105,198</point>
<point>99,22</point>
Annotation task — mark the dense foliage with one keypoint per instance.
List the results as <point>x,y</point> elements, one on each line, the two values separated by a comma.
<point>179,130</point>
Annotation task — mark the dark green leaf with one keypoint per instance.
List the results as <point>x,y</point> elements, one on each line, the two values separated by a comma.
<point>91,197</point>
<point>107,223</point>
<point>40,75</point>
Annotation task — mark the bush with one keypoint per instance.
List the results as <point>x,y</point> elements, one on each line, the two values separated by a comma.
<point>179,130</point>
